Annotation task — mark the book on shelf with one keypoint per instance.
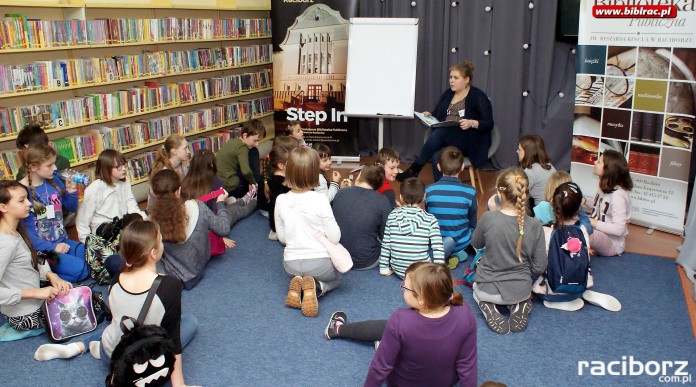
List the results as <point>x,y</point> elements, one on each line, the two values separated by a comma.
<point>10,162</point>
<point>434,122</point>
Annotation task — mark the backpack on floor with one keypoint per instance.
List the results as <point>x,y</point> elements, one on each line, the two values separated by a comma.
<point>97,249</point>
<point>470,269</point>
<point>111,231</point>
<point>569,261</point>
<point>145,354</point>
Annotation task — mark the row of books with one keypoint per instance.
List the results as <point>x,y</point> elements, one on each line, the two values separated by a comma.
<point>143,132</point>
<point>97,107</point>
<point>76,148</point>
<point>60,73</point>
<point>9,164</point>
<point>18,32</point>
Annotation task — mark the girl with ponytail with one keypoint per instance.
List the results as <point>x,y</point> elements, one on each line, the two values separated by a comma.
<point>515,252</point>
<point>432,342</point>
<point>21,270</point>
<point>174,154</point>
<point>44,225</point>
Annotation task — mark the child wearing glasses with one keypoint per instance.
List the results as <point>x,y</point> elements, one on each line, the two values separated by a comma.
<point>109,196</point>
<point>432,342</point>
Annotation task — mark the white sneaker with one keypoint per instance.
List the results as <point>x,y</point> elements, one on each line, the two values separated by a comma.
<point>264,213</point>
<point>272,235</point>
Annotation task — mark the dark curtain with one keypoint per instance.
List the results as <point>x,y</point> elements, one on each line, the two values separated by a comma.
<point>452,31</point>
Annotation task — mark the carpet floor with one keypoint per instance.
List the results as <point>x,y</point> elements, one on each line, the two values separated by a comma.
<point>247,337</point>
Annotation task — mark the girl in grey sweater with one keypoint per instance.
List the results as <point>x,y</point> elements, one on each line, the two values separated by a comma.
<point>184,227</point>
<point>515,252</point>
<point>20,271</point>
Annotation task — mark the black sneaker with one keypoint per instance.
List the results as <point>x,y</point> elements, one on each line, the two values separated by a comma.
<point>495,320</point>
<point>406,174</point>
<point>519,316</point>
<point>337,317</point>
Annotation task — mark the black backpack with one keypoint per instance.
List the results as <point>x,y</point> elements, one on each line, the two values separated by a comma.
<point>145,354</point>
<point>569,261</point>
<point>111,231</point>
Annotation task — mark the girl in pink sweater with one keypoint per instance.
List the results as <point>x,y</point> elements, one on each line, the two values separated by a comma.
<point>612,205</point>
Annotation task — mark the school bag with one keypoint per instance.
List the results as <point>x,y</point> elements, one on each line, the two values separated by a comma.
<point>569,261</point>
<point>145,354</point>
<point>97,250</point>
<point>70,315</point>
<point>470,269</point>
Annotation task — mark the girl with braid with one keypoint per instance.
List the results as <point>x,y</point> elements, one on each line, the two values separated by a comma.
<point>515,252</point>
<point>174,154</point>
<point>20,268</point>
<point>44,225</point>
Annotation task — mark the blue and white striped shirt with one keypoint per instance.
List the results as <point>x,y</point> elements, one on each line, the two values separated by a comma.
<point>454,205</point>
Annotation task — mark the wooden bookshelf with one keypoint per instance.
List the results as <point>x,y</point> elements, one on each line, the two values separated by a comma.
<point>136,9</point>
<point>126,80</point>
<point>116,45</point>
<point>142,113</point>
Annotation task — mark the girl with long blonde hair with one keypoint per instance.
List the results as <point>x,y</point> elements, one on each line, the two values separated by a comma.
<point>515,251</point>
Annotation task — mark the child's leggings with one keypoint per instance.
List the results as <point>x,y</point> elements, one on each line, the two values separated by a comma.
<point>370,330</point>
<point>602,244</point>
<point>72,266</point>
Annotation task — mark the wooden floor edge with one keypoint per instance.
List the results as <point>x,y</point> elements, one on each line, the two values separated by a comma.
<point>687,285</point>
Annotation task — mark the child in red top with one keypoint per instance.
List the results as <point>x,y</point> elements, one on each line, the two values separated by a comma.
<point>389,160</point>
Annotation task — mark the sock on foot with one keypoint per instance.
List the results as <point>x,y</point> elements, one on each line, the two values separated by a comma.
<point>57,351</point>
<point>94,349</point>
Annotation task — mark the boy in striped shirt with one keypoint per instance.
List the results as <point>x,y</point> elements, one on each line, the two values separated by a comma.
<point>411,234</point>
<point>454,205</point>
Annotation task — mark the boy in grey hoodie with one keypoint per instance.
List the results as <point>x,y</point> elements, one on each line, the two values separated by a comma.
<point>411,234</point>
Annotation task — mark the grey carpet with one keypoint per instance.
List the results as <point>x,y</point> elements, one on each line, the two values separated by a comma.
<point>247,337</point>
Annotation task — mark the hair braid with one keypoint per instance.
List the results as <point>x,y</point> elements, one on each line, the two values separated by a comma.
<point>521,194</point>
<point>38,207</point>
<point>54,185</point>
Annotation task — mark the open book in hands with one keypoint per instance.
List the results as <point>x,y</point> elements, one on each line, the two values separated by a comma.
<point>433,122</point>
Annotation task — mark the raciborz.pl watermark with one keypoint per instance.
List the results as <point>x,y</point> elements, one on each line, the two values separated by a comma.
<point>666,371</point>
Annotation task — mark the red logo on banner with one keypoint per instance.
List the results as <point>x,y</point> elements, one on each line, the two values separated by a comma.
<point>635,11</point>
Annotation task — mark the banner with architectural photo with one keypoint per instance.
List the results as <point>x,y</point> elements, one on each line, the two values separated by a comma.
<point>636,93</point>
<point>310,44</point>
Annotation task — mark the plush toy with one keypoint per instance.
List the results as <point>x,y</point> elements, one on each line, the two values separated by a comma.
<point>144,357</point>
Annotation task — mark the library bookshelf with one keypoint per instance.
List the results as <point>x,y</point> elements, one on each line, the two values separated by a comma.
<point>125,74</point>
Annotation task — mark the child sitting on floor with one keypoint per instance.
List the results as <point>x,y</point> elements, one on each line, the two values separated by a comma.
<point>44,225</point>
<point>454,205</point>
<point>277,164</point>
<point>388,159</point>
<point>184,226</point>
<point>298,215</point>
<point>515,252</point>
<point>411,234</point>
<point>612,205</point>
<point>325,187</point>
<point>544,210</point>
<point>362,214</point>
<point>430,343</point>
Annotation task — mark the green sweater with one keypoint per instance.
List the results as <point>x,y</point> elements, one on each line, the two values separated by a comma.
<point>233,157</point>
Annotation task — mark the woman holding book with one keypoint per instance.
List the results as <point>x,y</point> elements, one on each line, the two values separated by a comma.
<point>469,106</point>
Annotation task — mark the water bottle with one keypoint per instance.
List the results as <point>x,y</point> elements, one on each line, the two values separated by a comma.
<point>77,177</point>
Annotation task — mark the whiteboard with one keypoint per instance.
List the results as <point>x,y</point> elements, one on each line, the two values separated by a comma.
<point>381,73</point>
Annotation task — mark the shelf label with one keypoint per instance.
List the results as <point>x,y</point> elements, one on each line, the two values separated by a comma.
<point>59,122</point>
<point>58,83</point>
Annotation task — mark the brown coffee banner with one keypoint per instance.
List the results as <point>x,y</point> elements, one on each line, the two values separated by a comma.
<point>637,96</point>
<point>310,47</point>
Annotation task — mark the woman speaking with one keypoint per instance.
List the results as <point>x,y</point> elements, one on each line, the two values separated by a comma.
<point>469,106</point>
